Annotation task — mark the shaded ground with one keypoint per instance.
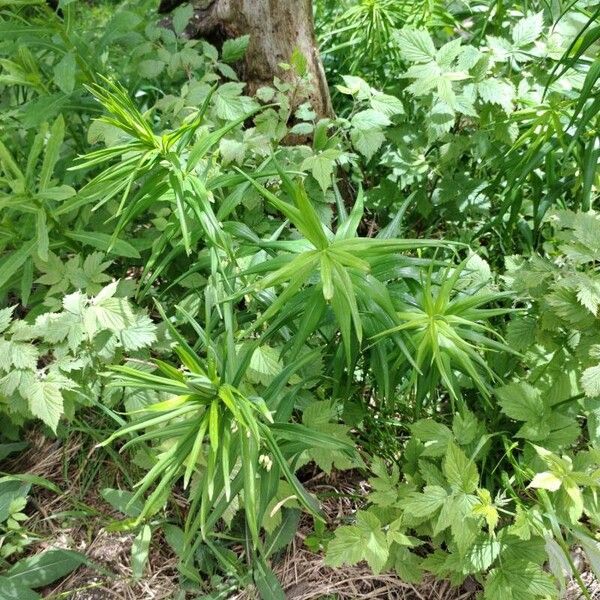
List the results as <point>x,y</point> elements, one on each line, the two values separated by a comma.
<point>79,519</point>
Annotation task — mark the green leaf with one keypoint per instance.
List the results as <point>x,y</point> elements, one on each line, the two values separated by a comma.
<point>230,104</point>
<point>546,481</point>
<point>141,333</point>
<point>369,119</point>
<point>51,155</point>
<point>266,581</point>
<point>427,503</point>
<point>6,317</point>
<point>10,490</point>
<point>104,242</point>
<point>521,401</point>
<point>121,501</point>
<point>460,471</point>
<point>234,49</point>
<point>498,92</point>
<point>527,30</point>
<point>9,266</point>
<point>483,553</point>
<point>232,151</point>
<point>150,68</point>
<point>42,235</point>
<point>264,365</point>
<point>519,581</point>
<point>139,552</point>
<point>590,381</point>
<point>10,590</point>
<point>436,436</point>
<point>45,400</point>
<point>44,568</point>
<point>366,141</point>
<point>363,541</point>
<point>64,73</point>
<point>10,448</point>
<point>181,17</point>
<point>386,104</point>
<point>321,166</point>
<point>415,45</point>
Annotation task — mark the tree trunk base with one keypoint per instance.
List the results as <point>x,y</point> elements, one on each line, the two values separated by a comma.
<point>276,28</point>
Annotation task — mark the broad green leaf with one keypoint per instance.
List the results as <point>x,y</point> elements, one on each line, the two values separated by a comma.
<point>321,166</point>
<point>120,500</point>
<point>64,73</point>
<point>6,317</point>
<point>415,45</point>
<point>546,481</point>
<point>590,381</point>
<point>46,400</point>
<point>44,568</point>
<point>10,590</point>
<point>234,49</point>
<point>527,30</point>
<point>139,552</point>
<point>367,141</point>
<point>520,401</point>
<point>181,16</point>
<point>425,504</point>
<point>363,541</point>
<point>230,104</point>
<point>460,471</point>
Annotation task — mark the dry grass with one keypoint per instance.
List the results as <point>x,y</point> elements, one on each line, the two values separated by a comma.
<point>64,465</point>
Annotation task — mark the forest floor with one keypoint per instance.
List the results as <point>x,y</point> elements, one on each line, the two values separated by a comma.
<point>79,520</point>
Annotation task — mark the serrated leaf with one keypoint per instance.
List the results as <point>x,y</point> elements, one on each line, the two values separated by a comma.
<point>363,541</point>
<point>140,334</point>
<point>367,142</point>
<point>230,104</point>
<point>387,105</point>
<point>527,30</point>
<point>369,119</point>
<point>521,401</point>
<point>6,317</point>
<point>150,68</point>
<point>590,381</point>
<point>498,92</point>
<point>426,503</point>
<point>181,17</point>
<point>460,471</point>
<point>234,49</point>
<point>321,166</point>
<point>415,45</point>
<point>45,399</point>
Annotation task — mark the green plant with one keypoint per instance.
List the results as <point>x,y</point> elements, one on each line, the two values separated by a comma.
<point>500,532</point>
<point>51,365</point>
<point>447,332</point>
<point>248,294</point>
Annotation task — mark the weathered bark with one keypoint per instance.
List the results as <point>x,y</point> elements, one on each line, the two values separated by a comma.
<point>275,27</point>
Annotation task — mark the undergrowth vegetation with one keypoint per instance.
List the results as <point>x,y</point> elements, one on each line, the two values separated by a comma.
<point>231,291</point>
